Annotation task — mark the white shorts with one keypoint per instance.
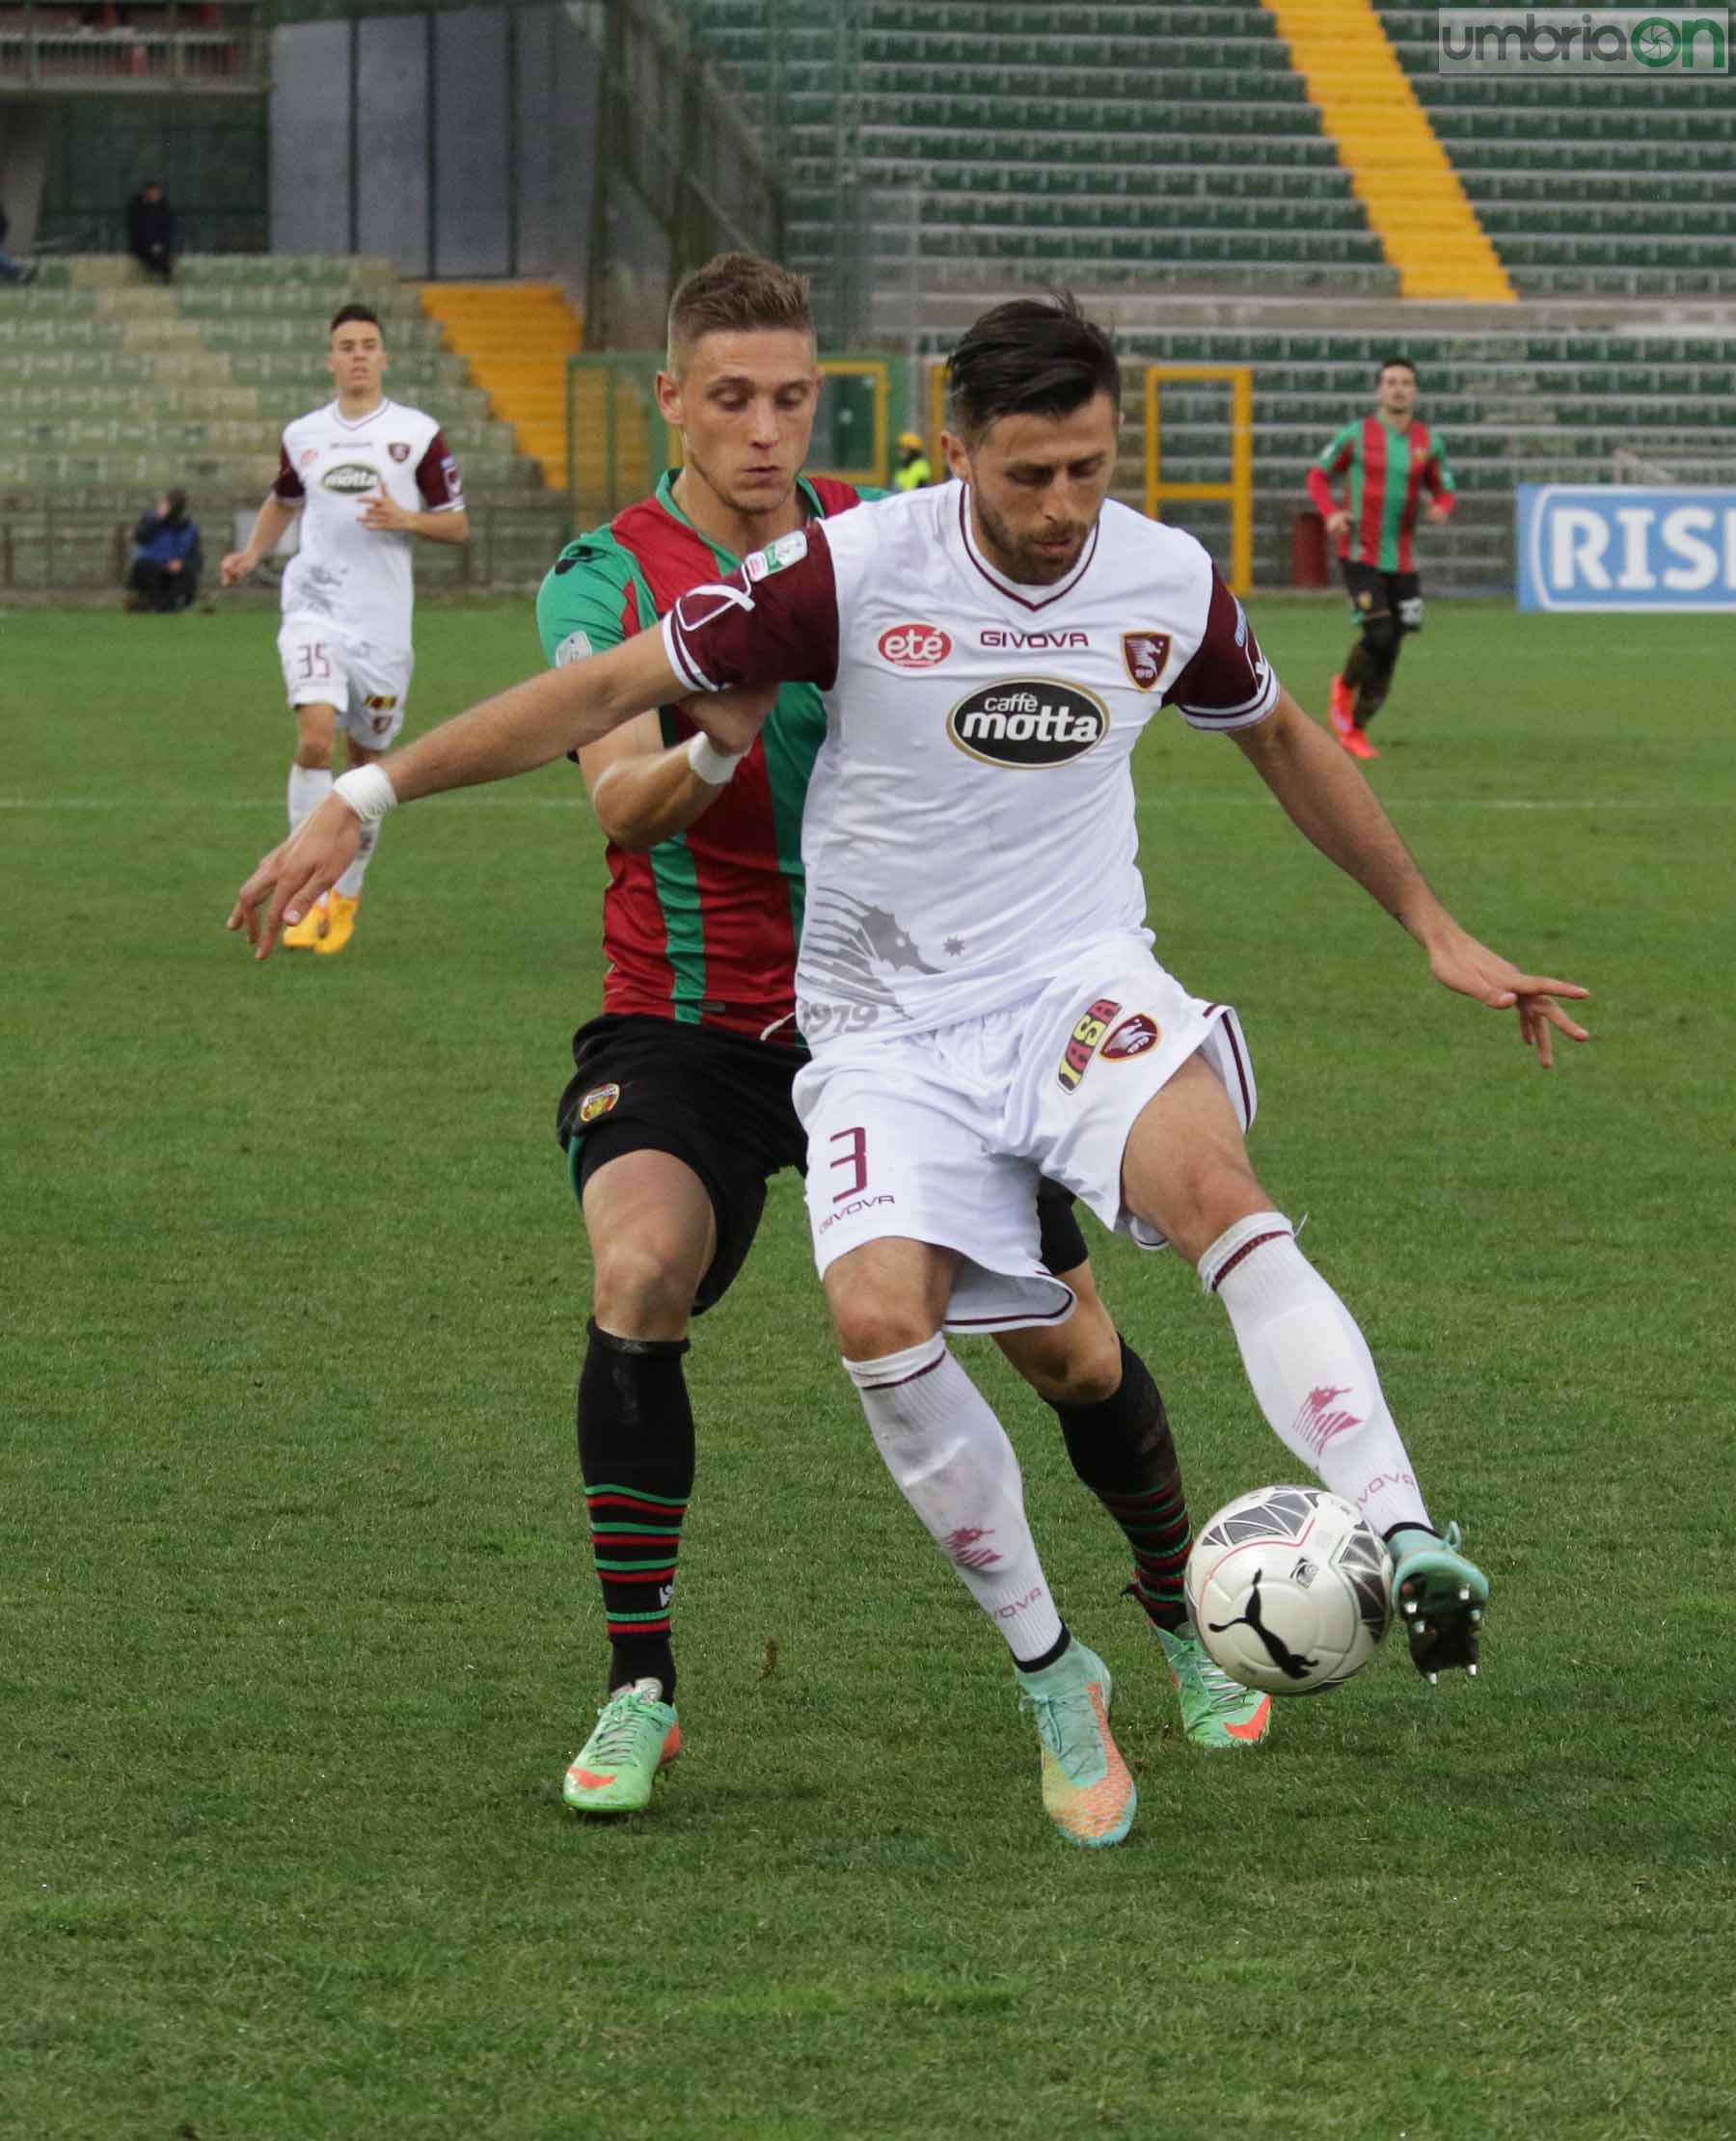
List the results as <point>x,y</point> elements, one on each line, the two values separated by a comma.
<point>941,1137</point>
<point>366,682</point>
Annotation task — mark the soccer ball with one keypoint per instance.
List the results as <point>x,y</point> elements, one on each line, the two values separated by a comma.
<point>1290,1590</point>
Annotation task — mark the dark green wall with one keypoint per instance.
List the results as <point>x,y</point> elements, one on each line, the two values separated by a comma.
<point>211,156</point>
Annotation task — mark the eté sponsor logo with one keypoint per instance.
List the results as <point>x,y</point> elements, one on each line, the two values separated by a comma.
<point>914,646</point>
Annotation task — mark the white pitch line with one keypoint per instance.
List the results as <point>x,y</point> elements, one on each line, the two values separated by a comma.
<point>1397,803</point>
<point>181,801</point>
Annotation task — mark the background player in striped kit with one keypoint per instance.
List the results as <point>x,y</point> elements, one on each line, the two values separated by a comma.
<point>679,1109</point>
<point>1387,460</point>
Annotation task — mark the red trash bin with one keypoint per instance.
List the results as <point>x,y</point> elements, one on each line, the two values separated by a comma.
<point>1307,551</point>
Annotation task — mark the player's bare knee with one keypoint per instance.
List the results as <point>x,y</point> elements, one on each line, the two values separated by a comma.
<point>1076,1363</point>
<point>1206,1192</point>
<point>869,1323</point>
<point>1091,1368</point>
<point>642,1288</point>
<point>315,733</point>
<point>1226,1193</point>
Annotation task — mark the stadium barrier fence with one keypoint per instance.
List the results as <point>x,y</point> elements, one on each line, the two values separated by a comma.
<point>48,549</point>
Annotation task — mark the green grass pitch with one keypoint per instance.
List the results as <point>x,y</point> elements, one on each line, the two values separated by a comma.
<point>296,1630</point>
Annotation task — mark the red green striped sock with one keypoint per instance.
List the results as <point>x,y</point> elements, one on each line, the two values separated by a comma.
<point>635,1540</point>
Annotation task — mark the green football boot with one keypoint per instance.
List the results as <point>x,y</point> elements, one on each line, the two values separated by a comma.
<point>1086,1788</point>
<point>1438,1598</point>
<point>636,1738</point>
<point>1216,1711</point>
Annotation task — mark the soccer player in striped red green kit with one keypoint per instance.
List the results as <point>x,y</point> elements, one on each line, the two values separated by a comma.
<point>680,1108</point>
<point>1386,460</point>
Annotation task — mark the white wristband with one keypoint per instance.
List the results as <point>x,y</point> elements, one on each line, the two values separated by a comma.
<point>712,766</point>
<point>368,792</point>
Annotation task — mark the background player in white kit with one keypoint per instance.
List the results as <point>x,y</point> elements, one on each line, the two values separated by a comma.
<point>364,473</point>
<point>975,979</point>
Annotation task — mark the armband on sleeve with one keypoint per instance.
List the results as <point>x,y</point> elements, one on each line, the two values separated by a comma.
<point>774,620</point>
<point>1229,684</point>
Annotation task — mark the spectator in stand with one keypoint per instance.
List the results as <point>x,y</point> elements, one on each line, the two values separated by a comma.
<point>151,230</point>
<point>165,559</point>
<point>11,270</point>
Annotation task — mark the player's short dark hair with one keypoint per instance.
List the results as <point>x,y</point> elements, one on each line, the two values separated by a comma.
<point>365,313</point>
<point>1035,356</point>
<point>736,293</point>
<point>1403,363</point>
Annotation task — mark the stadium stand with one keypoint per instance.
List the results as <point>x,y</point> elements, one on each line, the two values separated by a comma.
<point>1161,158</point>
<point>123,388</point>
<point>1618,185</point>
<point>1114,146</point>
<point>1417,205</point>
<point>1166,160</point>
<point>1520,395</point>
<point>516,339</point>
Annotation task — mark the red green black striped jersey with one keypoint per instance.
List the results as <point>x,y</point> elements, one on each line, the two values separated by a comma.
<point>1388,466</point>
<point>702,927</point>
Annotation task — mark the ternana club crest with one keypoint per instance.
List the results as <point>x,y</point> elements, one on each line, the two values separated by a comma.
<point>598,1101</point>
<point>1145,653</point>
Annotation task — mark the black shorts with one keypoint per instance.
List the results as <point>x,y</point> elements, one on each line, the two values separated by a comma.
<point>717,1101</point>
<point>720,1102</point>
<point>1376,594</point>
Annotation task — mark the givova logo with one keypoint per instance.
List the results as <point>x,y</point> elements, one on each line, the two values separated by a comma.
<point>1029,721</point>
<point>1584,40</point>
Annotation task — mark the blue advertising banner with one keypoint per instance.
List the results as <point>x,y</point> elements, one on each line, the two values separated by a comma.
<point>1617,546</point>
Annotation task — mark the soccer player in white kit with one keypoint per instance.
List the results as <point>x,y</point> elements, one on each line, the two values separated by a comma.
<point>365,474</point>
<point>975,977</point>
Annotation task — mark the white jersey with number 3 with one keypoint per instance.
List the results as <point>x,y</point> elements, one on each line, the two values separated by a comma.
<point>357,579</point>
<point>969,829</point>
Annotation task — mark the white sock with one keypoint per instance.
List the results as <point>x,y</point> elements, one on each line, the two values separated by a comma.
<point>350,882</point>
<point>308,788</point>
<point>956,1468</point>
<point>1310,1369</point>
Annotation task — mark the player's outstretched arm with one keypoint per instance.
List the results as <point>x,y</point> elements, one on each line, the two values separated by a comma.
<point>1326,797</point>
<point>528,726</point>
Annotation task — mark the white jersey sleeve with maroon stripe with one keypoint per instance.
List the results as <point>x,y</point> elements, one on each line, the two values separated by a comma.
<point>437,477</point>
<point>1227,684</point>
<point>288,488</point>
<point>774,620</point>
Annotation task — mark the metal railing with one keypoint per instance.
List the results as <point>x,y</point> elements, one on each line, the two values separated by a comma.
<point>178,47</point>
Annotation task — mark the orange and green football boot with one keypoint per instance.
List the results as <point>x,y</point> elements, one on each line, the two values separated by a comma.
<point>636,1740</point>
<point>1216,1711</point>
<point>1087,1787</point>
